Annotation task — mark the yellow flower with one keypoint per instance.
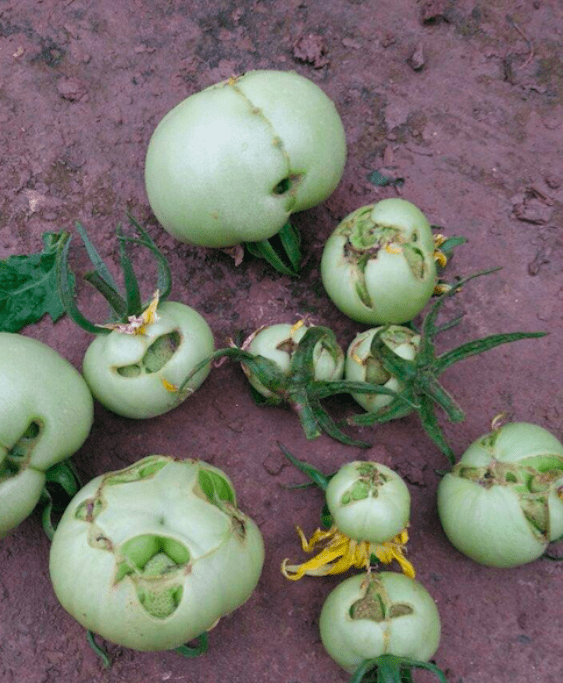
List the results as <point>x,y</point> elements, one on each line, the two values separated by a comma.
<point>341,553</point>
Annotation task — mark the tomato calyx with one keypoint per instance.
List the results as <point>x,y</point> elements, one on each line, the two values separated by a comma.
<point>419,377</point>
<point>392,669</point>
<point>129,314</point>
<point>282,251</point>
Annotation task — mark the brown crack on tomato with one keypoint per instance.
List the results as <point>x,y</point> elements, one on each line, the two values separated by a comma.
<point>532,479</point>
<point>370,480</point>
<point>286,187</point>
<point>17,457</point>
<point>376,604</point>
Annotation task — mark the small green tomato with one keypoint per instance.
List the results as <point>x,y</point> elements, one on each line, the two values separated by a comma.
<point>230,164</point>
<point>278,343</point>
<point>378,266</point>
<point>502,503</point>
<point>368,501</point>
<point>152,556</point>
<point>46,412</point>
<point>371,615</point>
<point>143,375</point>
<point>363,366</point>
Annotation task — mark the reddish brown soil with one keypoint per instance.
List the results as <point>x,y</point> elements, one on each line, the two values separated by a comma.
<point>463,100</point>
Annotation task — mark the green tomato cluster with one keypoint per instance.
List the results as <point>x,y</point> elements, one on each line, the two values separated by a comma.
<point>152,556</point>
<point>46,412</point>
<point>231,163</point>
<point>502,503</point>
<point>144,375</point>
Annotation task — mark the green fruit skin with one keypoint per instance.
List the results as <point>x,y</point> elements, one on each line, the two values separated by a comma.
<point>396,294</point>
<point>145,396</point>
<point>37,385</point>
<point>488,524</point>
<point>351,641</point>
<point>222,572</point>
<point>402,340</point>
<point>378,517</point>
<point>215,161</point>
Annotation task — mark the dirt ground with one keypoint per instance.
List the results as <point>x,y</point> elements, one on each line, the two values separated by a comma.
<point>463,101</point>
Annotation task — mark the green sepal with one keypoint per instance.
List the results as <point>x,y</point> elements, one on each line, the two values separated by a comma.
<point>392,669</point>
<point>315,475</point>
<point>61,485</point>
<point>419,377</point>
<point>287,260</point>
<point>100,651</point>
<point>192,651</point>
<point>65,284</point>
<point>123,305</point>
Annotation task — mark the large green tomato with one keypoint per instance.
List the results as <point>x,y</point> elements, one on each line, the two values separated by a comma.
<point>152,556</point>
<point>232,162</point>
<point>363,366</point>
<point>502,504</point>
<point>140,375</point>
<point>370,615</point>
<point>368,501</point>
<point>46,413</point>
<point>378,265</point>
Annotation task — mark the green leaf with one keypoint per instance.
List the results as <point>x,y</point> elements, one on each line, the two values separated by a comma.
<point>28,286</point>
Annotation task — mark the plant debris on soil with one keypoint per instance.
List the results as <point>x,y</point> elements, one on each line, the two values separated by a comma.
<point>459,106</point>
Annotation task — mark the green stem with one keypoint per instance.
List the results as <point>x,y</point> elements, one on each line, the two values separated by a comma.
<point>98,649</point>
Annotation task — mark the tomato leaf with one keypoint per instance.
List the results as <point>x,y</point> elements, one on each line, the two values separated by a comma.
<point>28,286</point>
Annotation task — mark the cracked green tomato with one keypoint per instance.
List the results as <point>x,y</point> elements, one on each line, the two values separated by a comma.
<point>378,266</point>
<point>230,163</point>
<point>140,372</point>
<point>46,413</point>
<point>152,556</point>
<point>502,503</point>
<point>371,615</point>
<point>363,366</point>
<point>279,343</point>
<point>368,501</point>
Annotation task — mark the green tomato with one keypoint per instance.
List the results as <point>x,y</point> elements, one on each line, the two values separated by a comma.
<point>502,503</point>
<point>378,265</point>
<point>370,615</point>
<point>232,162</point>
<point>139,375</point>
<point>46,412</point>
<point>368,501</point>
<point>278,343</point>
<point>152,556</point>
<point>363,366</point>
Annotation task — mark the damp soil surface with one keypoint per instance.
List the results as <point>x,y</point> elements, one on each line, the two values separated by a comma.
<point>459,105</point>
